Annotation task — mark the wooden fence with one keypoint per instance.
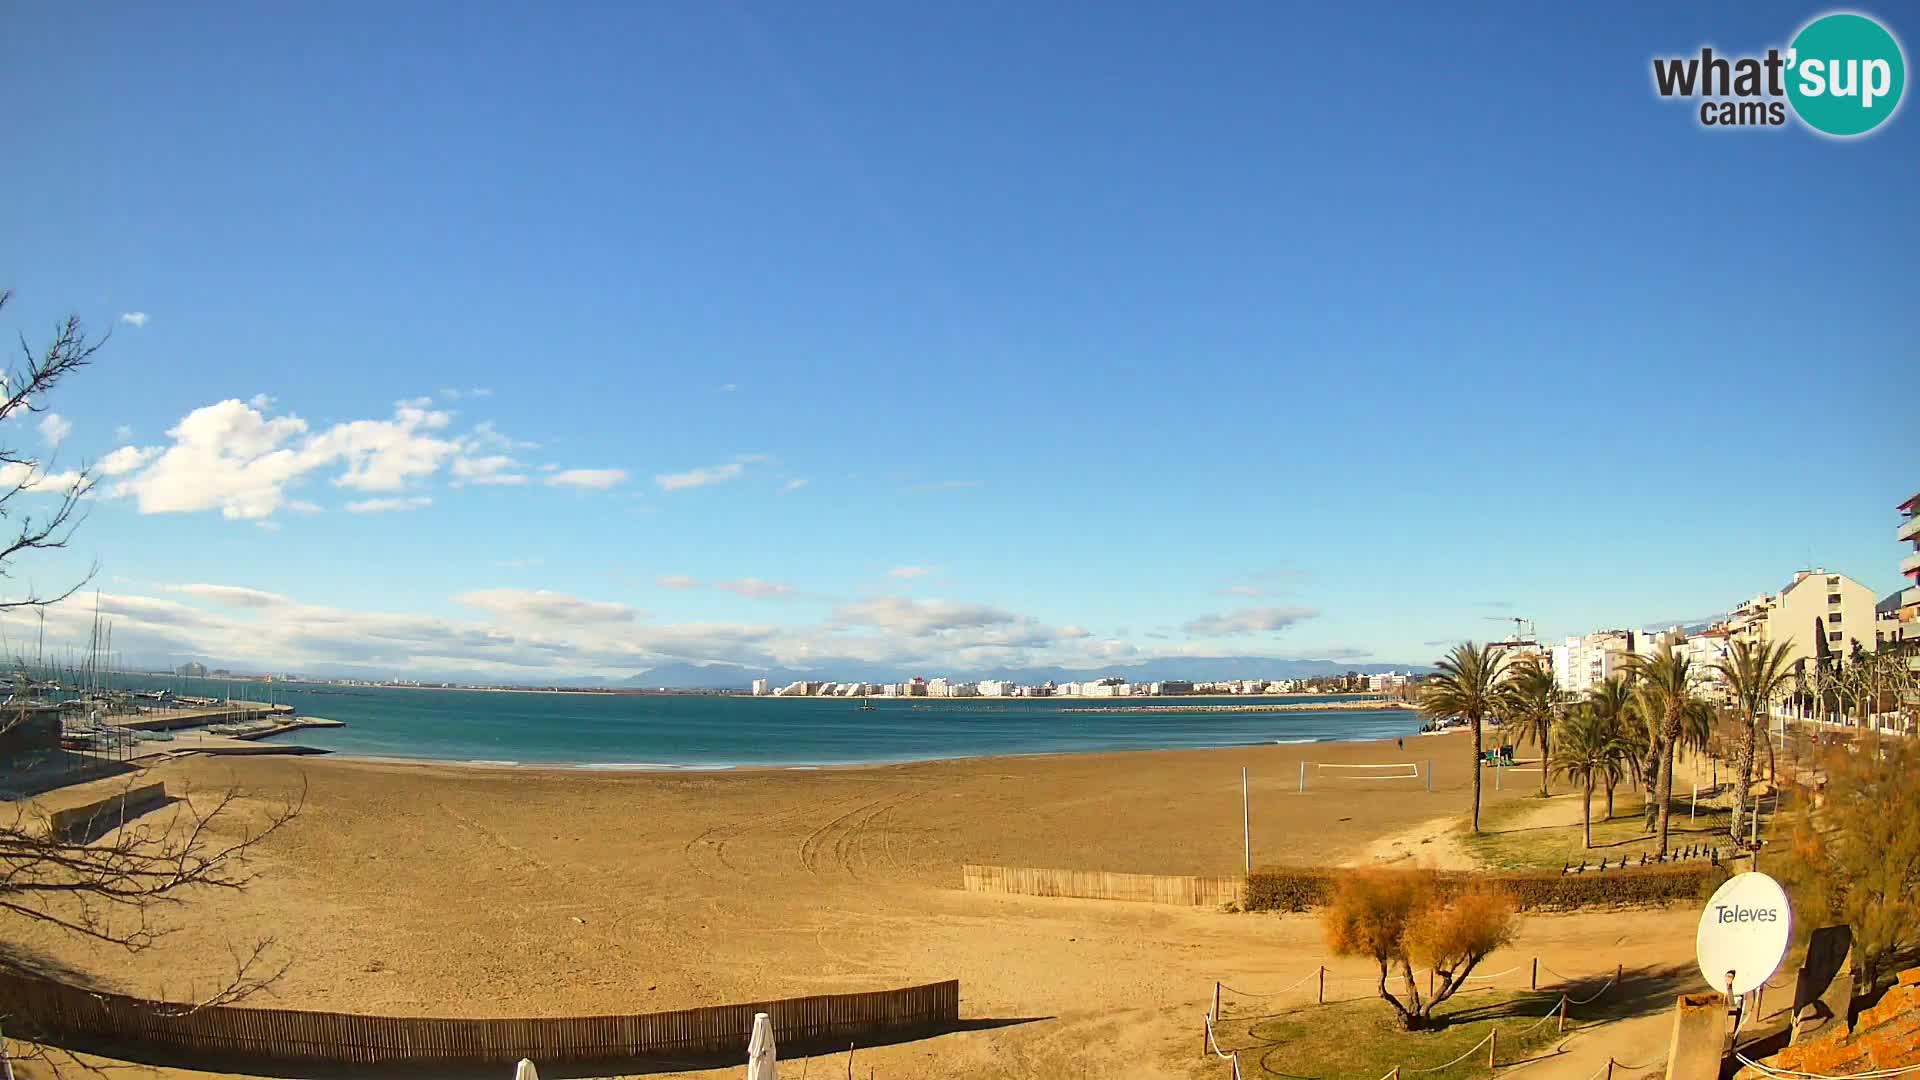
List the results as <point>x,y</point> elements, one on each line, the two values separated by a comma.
<point>1100,885</point>
<point>78,824</point>
<point>62,1014</point>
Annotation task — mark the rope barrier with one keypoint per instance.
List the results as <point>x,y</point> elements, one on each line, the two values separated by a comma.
<point>1470,1052</point>
<point>1872,1074</point>
<point>1495,975</point>
<point>1582,1001</point>
<point>1297,984</point>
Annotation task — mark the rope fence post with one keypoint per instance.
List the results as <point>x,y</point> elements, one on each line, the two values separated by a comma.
<point>1617,969</point>
<point>1609,1069</point>
<point>1493,1046</point>
<point>1536,974</point>
<point>1320,998</point>
<point>1562,1025</point>
<point>1429,776</point>
<point>1216,1002</point>
<point>1303,776</point>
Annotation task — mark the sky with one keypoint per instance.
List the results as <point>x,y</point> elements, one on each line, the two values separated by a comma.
<point>520,342</point>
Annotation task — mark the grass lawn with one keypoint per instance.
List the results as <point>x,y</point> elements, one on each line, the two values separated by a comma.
<point>1506,843</point>
<point>1363,1040</point>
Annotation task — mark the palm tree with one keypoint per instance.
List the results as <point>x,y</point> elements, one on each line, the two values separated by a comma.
<point>1586,748</point>
<point>1666,688</point>
<point>1756,675</point>
<point>1611,704</point>
<point>1530,700</point>
<point>1466,683</point>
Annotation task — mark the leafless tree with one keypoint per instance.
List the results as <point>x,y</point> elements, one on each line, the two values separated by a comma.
<point>26,387</point>
<point>105,880</point>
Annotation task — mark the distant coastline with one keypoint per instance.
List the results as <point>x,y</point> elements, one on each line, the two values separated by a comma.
<point>1360,705</point>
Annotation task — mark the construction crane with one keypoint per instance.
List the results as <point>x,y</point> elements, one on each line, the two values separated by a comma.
<point>1523,631</point>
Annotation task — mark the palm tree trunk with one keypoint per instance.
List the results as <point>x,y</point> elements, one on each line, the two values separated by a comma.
<point>1666,779</point>
<point>1610,786</point>
<point>1543,759</point>
<point>1586,813</point>
<point>1476,775</point>
<point>1743,777</point>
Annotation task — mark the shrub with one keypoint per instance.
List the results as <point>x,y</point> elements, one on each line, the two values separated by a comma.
<point>1297,888</point>
<point>1400,918</point>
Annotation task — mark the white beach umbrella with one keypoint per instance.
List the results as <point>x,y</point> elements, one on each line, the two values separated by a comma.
<point>525,1071</point>
<point>760,1054</point>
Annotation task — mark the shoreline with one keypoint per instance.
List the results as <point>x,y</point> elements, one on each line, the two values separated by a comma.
<point>717,769</point>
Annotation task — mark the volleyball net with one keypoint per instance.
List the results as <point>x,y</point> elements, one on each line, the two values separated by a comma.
<point>1328,774</point>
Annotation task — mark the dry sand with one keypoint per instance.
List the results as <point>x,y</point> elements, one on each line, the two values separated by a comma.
<point>491,892</point>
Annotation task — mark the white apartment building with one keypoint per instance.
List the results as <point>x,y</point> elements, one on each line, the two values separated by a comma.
<point>1909,532</point>
<point>759,688</point>
<point>1582,663</point>
<point>996,688</point>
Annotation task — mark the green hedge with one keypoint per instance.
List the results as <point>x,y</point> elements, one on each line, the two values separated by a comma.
<point>1299,888</point>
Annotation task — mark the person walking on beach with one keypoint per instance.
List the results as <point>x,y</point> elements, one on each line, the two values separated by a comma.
<point>1400,744</point>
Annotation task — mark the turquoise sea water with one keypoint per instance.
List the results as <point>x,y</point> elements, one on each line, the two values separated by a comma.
<point>688,731</point>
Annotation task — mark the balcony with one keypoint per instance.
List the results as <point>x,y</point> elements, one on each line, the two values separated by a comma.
<point>1909,529</point>
<point>1910,565</point>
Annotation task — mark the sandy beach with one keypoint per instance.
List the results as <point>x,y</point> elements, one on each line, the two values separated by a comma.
<point>437,890</point>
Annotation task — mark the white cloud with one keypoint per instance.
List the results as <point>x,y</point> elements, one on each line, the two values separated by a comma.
<point>754,587</point>
<point>55,428</point>
<point>28,476</point>
<point>700,477</point>
<point>908,573</point>
<point>125,460</point>
<point>389,504</point>
<point>543,606</point>
<point>485,436</point>
<point>919,617</point>
<point>134,319</point>
<point>1248,621</point>
<point>794,484</point>
<point>494,469</point>
<point>231,595</point>
<point>302,506</point>
<point>262,402</point>
<point>676,581</point>
<point>123,433</point>
<point>587,479</point>
<point>233,457</point>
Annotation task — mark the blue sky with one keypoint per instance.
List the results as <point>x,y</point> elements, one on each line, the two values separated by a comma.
<point>1225,330</point>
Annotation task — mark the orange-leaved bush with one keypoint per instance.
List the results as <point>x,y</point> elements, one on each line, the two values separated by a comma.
<point>1401,920</point>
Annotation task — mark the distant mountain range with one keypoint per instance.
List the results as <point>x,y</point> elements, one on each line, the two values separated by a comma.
<point>685,676</point>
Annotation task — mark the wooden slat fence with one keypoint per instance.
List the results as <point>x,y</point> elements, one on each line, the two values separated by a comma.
<point>1101,885</point>
<point>53,1011</point>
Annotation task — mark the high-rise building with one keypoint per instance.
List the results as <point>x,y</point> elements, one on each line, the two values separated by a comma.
<point>759,688</point>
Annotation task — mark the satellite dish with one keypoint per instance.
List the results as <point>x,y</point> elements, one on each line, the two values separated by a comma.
<point>1744,933</point>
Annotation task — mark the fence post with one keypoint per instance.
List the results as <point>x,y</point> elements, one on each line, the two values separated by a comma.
<point>1321,997</point>
<point>1535,985</point>
<point>1303,776</point>
<point>1206,1038</point>
<point>1429,776</point>
<point>1609,1069</point>
<point>1215,1014</point>
<point>1617,968</point>
<point>1562,1025</point>
<point>1493,1046</point>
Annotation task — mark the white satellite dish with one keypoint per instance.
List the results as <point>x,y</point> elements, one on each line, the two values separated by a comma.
<point>1744,933</point>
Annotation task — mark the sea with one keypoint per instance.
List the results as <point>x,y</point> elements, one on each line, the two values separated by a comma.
<point>694,731</point>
